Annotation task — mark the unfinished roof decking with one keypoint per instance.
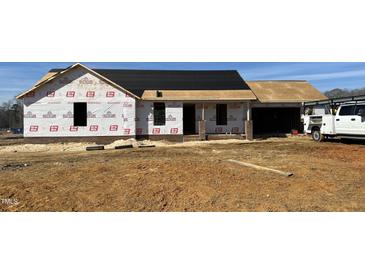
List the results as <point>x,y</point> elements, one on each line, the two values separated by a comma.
<point>285,91</point>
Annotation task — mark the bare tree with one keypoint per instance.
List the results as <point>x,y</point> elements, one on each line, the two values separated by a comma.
<point>11,114</point>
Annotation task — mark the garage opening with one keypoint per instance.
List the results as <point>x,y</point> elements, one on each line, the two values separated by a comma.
<point>275,120</point>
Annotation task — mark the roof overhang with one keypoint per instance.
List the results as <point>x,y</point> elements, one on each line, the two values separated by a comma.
<point>49,77</point>
<point>198,95</point>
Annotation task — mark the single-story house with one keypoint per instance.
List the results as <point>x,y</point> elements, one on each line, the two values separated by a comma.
<point>79,103</point>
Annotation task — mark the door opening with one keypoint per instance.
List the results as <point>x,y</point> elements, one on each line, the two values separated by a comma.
<point>189,119</point>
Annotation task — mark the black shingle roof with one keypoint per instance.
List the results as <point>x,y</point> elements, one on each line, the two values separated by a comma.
<point>137,81</point>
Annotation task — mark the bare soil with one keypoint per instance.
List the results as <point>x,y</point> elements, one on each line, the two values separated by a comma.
<point>328,176</point>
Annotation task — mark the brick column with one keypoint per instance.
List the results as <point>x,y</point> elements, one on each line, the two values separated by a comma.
<point>249,130</point>
<point>202,131</point>
<point>248,123</point>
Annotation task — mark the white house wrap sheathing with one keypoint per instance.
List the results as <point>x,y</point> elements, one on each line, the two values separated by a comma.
<point>48,111</point>
<point>236,116</point>
<point>144,119</point>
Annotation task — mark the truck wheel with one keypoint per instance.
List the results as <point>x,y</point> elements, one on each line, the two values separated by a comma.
<point>316,135</point>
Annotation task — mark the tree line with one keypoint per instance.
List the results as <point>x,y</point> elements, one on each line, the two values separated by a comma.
<point>338,92</point>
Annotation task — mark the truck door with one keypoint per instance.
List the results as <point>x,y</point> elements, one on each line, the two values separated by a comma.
<point>345,120</point>
<point>359,126</point>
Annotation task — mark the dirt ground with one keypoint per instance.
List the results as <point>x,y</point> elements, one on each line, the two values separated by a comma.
<point>328,176</point>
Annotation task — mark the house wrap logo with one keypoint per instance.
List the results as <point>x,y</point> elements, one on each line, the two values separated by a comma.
<point>49,114</point>
<point>90,115</point>
<point>174,130</point>
<point>113,128</point>
<point>29,114</point>
<point>70,94</point>
<point>68,115</point>
<point>170,118</point>
<point>110,94</point>
<point>90,94</point>
<point>94,128</point>
<point>109,114</point>
<point>127,105</point>
<point>33,128</point>
<point>114,103</point>
<point>86,81</point>
<point>156,131</point>
<point>53,128</point>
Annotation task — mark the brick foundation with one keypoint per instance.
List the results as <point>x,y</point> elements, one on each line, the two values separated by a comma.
<point>103,140</point>
<point>170,138</point>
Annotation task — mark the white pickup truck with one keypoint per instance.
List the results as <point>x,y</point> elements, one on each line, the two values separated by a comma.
<point>348,122</point>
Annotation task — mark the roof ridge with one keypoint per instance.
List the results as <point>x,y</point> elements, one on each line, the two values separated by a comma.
<point>151,70</point>
<point>276,80</point>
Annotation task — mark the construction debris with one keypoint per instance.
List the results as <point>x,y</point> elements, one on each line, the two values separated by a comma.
<point>144,146</point>
<point>287,174</point>
<point>124,146</point>
<point>14,166</point>
<point>95,148</point>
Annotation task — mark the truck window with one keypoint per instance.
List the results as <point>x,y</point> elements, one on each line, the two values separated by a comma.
<point>347,110</point>
<point>360,110</point>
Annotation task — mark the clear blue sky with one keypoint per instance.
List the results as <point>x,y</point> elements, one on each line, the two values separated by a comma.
<point>17,77</point>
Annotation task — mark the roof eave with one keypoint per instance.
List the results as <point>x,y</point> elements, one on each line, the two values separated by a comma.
<point>200,99</point>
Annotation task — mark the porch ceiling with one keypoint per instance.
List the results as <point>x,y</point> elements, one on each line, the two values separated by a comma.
<point>199,95</point>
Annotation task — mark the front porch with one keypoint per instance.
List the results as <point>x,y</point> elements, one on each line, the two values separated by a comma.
<point>217,120</point>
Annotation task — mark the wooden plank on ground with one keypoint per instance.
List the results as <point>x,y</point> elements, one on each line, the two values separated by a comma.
<point>287,174</point>
<point>95,148</point>
<point>124,146</point>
